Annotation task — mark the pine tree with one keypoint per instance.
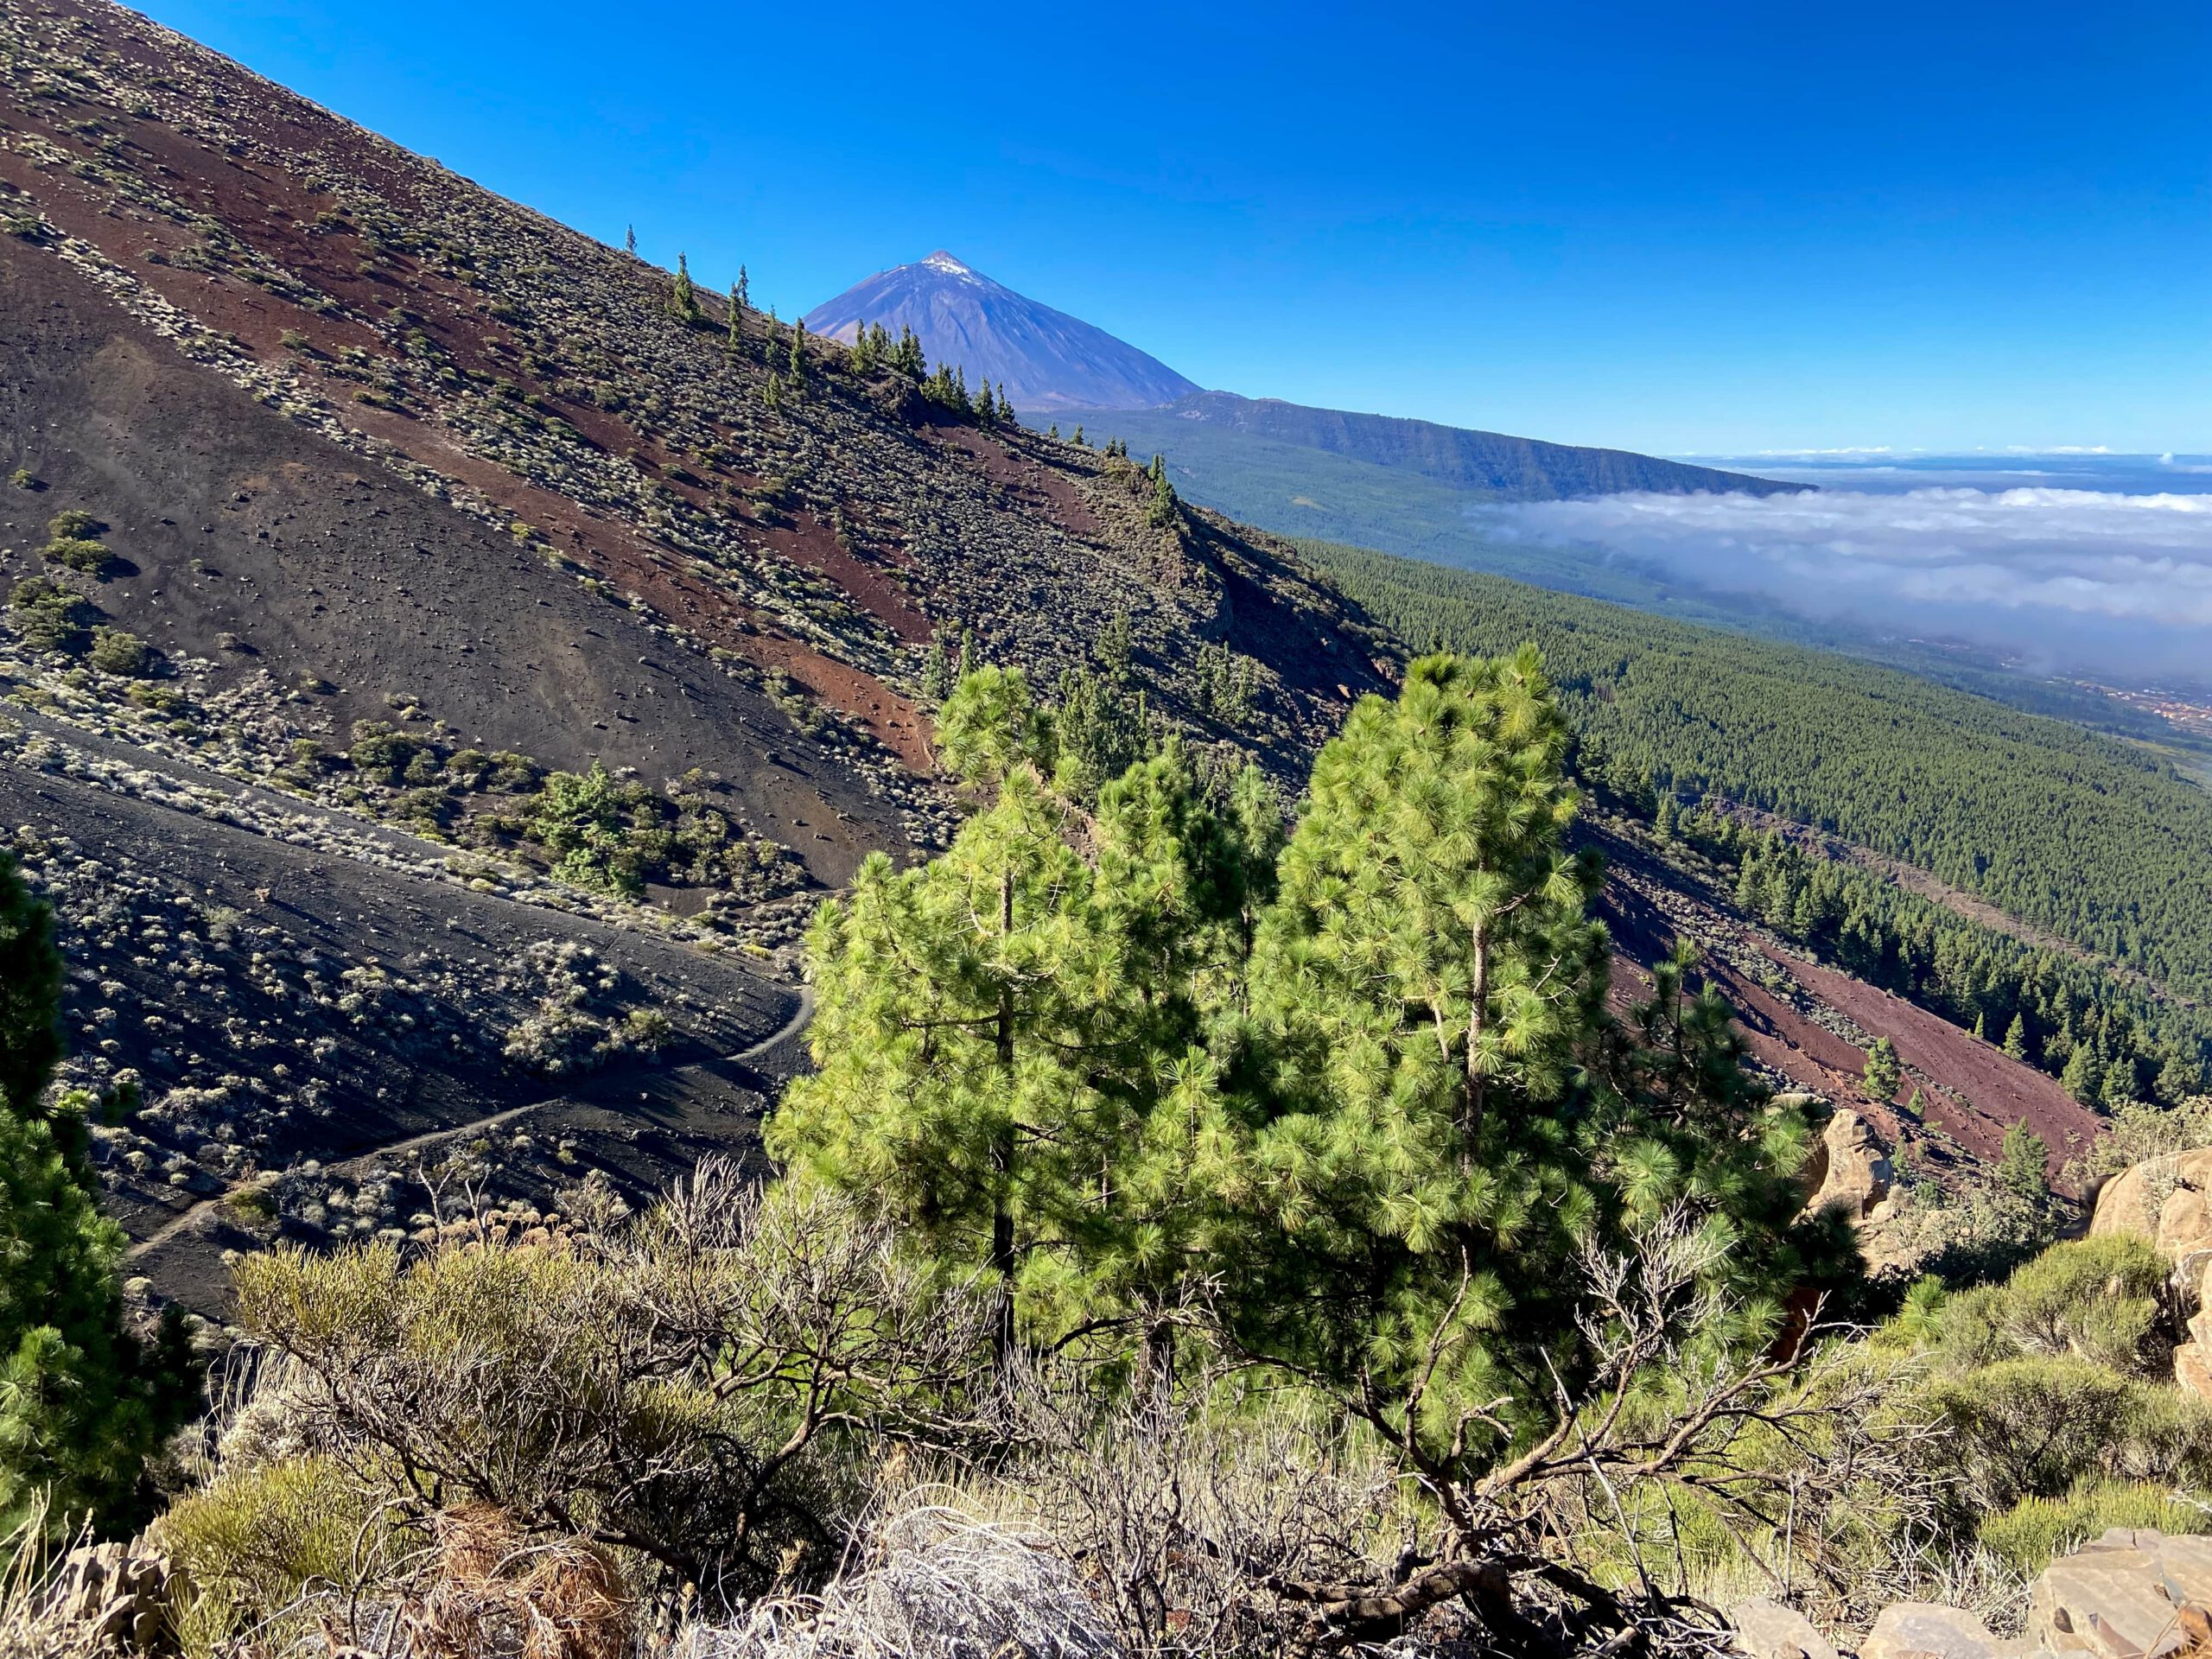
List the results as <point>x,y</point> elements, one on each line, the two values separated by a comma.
<point>2179,1077</point>
<point>744,291</point>
<point>991,726</point>
<point>2120,1081</point>
<point>1417,936</point>
<point>1077,440</point>
<point>937,670</point>
<point>683,303</point>
<point>950,1008</point>
<point>1055,433</point>
<point>909,360</point>
<point>1116,648</point>
<point>733,346</point>
<point>2016,1038</point>
<point>630,241</point>
<point>1162,512</point>
<point>1012,1039</point>
<point>2082,1078</point>
<point>1883,1074</point>
<point>82,1404</point>
<point>1446,1125</point>
<point>2023,1163</point>
<point>798,353</point>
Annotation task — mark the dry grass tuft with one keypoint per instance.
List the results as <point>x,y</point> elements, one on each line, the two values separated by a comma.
<point>936,1584</point>
<point>491,1594</point>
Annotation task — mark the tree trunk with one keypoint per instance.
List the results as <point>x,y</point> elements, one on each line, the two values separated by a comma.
<point>1002,1153</point>
<point>1471,1113</point>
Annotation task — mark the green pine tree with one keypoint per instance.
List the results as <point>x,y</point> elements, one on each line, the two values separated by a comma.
<point>733,345</point>
<point>937,670</point>
<point>2179,1077</point>
<point>2023,1163</point>
<point>798,353</point>
<point>951,1035</point>
<point>1446,1124</point>
<point>2082,1078</point>
<point>2016,1038</point>
<point>682,301</point>
<point>83,1405</point>
<point>1162,511</point>
<point>1883,1074</point>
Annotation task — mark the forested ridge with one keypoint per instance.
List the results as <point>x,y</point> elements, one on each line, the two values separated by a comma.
<point>2073,832</point>
<point>2111,1040</point>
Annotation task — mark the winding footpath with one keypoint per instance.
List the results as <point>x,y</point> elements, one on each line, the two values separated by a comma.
<point>187,1219</point>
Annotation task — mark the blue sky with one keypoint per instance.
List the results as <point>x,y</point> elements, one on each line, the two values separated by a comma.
<point>1711,228</point>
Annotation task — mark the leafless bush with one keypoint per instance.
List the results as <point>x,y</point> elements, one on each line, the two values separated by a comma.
<point>935,1583</point>
<point>1186,1511</point>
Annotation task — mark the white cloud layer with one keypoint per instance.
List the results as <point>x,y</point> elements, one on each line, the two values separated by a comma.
<point>2116,582</point>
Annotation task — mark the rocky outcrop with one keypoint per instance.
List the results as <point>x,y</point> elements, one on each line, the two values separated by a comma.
<point>1920,1629</point>
<point>1851,1170</point>
<point>1767,1629</point>
<point>2168,1200</point>
<point>108,1597</point>
<point>2131,1594</point>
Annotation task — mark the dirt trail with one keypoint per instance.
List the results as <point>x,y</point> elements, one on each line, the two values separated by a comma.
<point>801,1018</point>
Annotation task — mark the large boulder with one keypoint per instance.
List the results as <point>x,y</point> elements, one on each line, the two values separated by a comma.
<point>1767,1629</point>
<point>2131,1594</point>
<point>1851,1170</point>
<point>1922,1629</point>
<point>2168,1201</point>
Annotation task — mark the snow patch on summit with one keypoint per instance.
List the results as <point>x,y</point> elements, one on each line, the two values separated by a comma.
<point>951,267</point>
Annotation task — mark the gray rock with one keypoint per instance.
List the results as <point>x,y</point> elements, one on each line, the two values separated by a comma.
<point>1920,1629</point>
<point>2123,1596</point>
<point>1767,1629</point>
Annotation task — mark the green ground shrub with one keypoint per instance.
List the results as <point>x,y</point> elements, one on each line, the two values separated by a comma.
<point>116,651</point>
<point>2100,1299</point>
<point>50,616</point>
<point>2035,1531</point>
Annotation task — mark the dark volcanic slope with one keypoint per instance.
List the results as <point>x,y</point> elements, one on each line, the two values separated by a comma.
<point>415,497</point>
<point>1042,357</point>
<point>1488,464</point>
<point>234,521</point>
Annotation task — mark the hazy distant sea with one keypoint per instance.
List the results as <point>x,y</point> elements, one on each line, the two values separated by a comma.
<point>2060,564</point>
<point>1894,475</point>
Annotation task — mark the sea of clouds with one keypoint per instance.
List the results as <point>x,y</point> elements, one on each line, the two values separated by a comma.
<point>2118,585</point>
